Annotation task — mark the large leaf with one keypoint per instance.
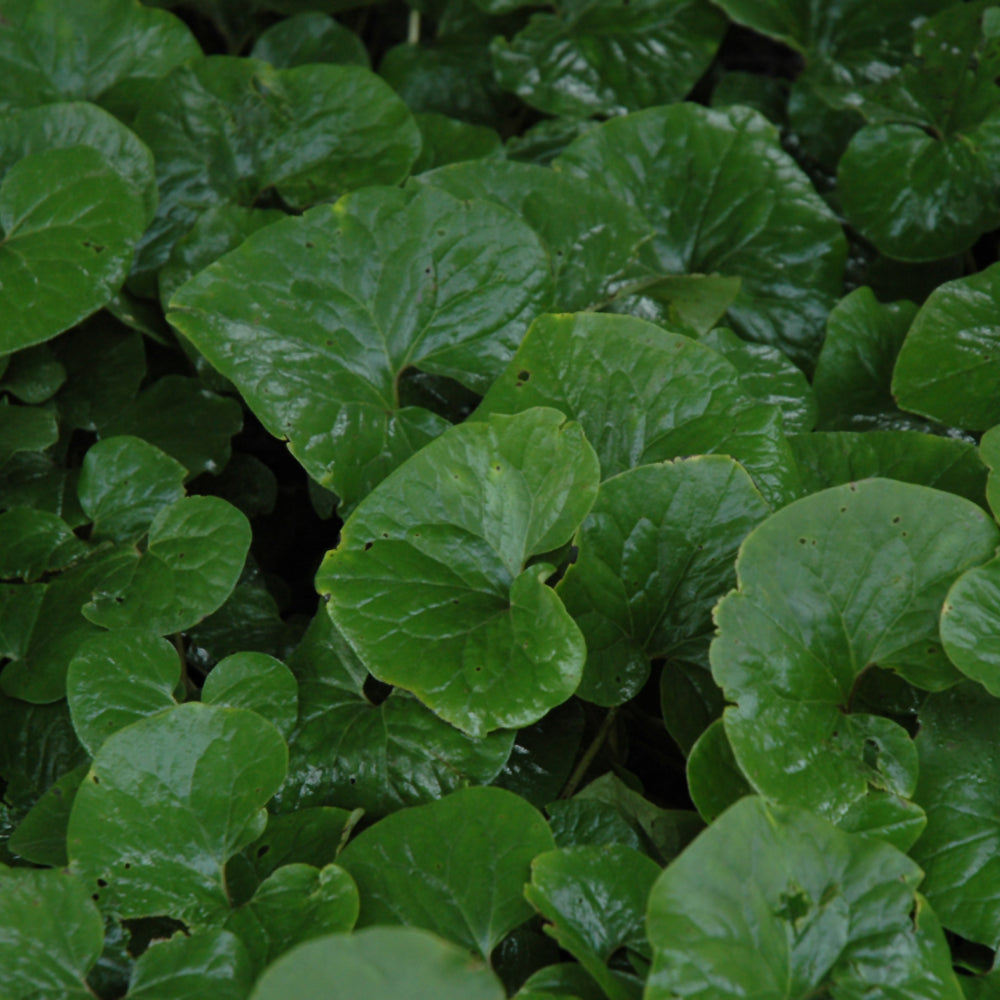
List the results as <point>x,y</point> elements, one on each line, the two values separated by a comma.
<point>656,553</point>
<point>644,394</point>
<point>725,198</point>
<point>108,51</point>
<point>52,934</point>
<point>600,57</point>
<point>167,802</point>
<point>211,962</point>
<point>401,962</point>
<point>309,37</point>
<point>569,214</point>
<point>344,299</point>
<point>842,581</point>
<point>225,129</point>
<point>456,866</point>
<point>959,788</point>
<point>68,227</point>
<point>431,583</point>
<point>949,365</point>
<point>350,752</point>
<point>595,901</point>
<point>777,904</point>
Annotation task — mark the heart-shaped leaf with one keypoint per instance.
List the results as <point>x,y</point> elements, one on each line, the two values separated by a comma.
<point>258,682</point>
<point>837,583</point>
<point>724,197</point>
<point>386,280</point>
<point>431,583</point>
<point>456,866</point>
<point>168,801</point>
<point>656,553</point>
<point>777,903</point>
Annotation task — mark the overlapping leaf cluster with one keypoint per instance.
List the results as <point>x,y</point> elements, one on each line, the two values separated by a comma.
<point>643,443</point>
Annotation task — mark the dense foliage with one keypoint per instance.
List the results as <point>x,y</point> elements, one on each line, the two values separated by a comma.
<point>521,522</point>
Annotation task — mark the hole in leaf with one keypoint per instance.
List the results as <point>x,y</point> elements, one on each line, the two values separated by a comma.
<point>368,545</point>
<point>101,884</point>
<point>523,375</point>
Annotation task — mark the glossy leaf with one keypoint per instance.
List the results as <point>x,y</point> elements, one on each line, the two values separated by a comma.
<point>224,129</point>
<point>210,962</point>
<point>258,682</point>
<point>448,140</point>
<point>644,394</point>
<point>124,483</point>
<point>989,452</point>
<point>832,458</point>
<point>410,279</point>
<point>431,582</point>
<point>570,216</point>
<point>309,37</point>
<point>109,52</point>
<point>352,753</point>
<point>52,935</point>
<point>949,364</point>
<point>715,781</point>
<point>456,866</point>
<point>167,802</point>
<point>33,375</point>
<point>194,554</point>
<point>402,962</point>
<point>68,227</point>
<point>41,836</point>
<point>777,903</point>
<point>292,905</point>
<point>34,543</point>
<point>600,58</point>
<point>747,211</point>
<point>958,786</point>
<point>842,581</point>
<point>117,678</point>
<point>970,622</point>
<point>656,553</point>
<point>304,837</point>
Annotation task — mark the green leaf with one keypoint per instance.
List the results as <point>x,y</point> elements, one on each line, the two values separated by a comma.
<point>41,836</point>
<point>168,801</point>
<point>184,418</point>
<point>602,58</point>
<point>309,37</point>
<point>777,903</point>
<point>958,787</point>
<point>37,672</point>
<point>832,458</point>
<point>656,553</point>
<point>644,394</point>
<point>52,935</point>
<point>350,752</point>
<point>595,901</point>
<point>989,452</point>
<point>227,129</point>
<point>715,780</point>
<point>33,376</point>
<point>568,979</point>
<point>437,558</point>
<point>584,822</point>
<point>724,198</point>
<point>768,375</point>
<point>304,837</point>
<point>194,554</point>
<point>412,278</point>
<point>210,962</point>
<point>117,678</point>
<point>25,429</point>
<point>258,682</point>
<point>570,216</point>
<point>854,370</point>
<point>124,483</point>
<point>949,364</point>
<point>456,866</point>
<point>109,52</point>
<point>690,701</point>
<point>835,584</point>
<point>448,140</point>
<point>969,625</point>
<point>401,962</point>
<point>34,543</point>
<point>698,301</point>
<point>295,904</point>
<point>68,227</point>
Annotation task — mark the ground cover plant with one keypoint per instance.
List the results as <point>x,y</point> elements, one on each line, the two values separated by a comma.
<point>499,499</point>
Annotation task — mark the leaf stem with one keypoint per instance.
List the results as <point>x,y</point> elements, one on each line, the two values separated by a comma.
<point>591,752</point>
<point>413,30</point>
